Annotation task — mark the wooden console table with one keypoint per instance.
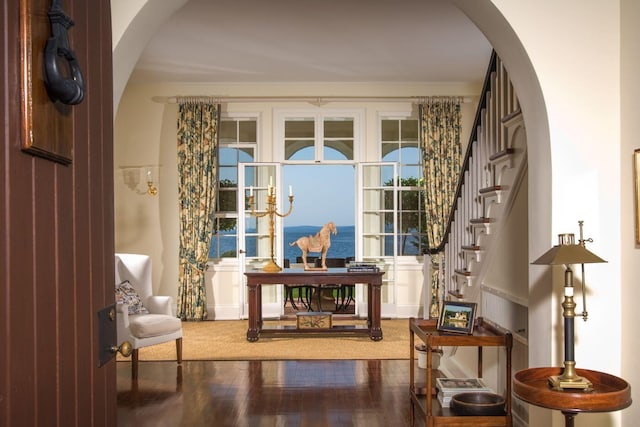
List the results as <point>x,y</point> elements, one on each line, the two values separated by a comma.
<point>256,279</point>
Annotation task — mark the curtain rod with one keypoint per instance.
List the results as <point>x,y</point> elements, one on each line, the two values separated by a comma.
<point>315,100</point>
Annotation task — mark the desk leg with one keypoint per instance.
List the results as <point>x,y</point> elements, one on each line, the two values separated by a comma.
<point>255,313</point>
<point>373,307</point>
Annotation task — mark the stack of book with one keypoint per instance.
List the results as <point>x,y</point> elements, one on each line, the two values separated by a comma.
<point>362,266</point>
<point>448,387</point>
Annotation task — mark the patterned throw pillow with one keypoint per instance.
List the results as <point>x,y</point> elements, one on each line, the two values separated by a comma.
<point>126,294</point>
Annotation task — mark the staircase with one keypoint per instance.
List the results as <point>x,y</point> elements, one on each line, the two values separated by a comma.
<point>492,173</point>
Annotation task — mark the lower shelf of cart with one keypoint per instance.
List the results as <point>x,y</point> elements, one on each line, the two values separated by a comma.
<point>446,417</point>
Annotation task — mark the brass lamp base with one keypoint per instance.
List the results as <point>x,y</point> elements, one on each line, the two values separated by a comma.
<point>271,267</point>
<point>558,383</point>
<point>569,380</point>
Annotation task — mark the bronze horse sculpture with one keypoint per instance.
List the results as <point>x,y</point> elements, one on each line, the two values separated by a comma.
<point>318,243</point>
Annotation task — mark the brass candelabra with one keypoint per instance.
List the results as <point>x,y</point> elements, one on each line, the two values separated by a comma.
<point>271,266</point>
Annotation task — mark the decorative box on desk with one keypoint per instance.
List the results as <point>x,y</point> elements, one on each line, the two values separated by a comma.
<point>314,320</point>
<point>424,399</point>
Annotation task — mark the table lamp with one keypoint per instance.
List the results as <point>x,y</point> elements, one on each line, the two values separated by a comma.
<point>567,252</point>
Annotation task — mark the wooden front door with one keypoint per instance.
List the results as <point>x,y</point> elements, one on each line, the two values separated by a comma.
<point>56,232</point>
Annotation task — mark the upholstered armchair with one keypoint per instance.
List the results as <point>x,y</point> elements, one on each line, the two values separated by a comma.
<point>143,319</point>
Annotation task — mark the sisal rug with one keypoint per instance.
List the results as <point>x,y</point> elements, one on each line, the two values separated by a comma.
<point>226,340</point>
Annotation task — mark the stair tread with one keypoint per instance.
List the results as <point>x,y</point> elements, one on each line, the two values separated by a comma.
<point>481,220</point>
<point>463,272</point>
<point>503,153</point>
<point>490,189</point>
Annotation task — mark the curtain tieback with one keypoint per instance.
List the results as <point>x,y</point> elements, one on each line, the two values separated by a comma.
<point>194,264</point>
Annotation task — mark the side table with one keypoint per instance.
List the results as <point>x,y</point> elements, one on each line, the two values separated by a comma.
<point>609,393</point>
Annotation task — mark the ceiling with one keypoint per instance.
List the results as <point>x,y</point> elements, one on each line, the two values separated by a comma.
<point>330,41</point>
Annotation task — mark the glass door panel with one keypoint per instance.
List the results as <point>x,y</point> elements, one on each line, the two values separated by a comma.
<point>256,179</point>
<point>378,224</point>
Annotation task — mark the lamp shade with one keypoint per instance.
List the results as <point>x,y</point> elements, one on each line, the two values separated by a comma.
<point>567,252</point>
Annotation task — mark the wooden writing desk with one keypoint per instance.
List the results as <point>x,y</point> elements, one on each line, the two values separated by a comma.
<point>373,280</point>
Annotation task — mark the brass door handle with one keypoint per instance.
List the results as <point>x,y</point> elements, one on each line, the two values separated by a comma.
<point>124,349</point>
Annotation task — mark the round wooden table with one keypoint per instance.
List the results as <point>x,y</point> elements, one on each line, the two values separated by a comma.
<point>609,393</point>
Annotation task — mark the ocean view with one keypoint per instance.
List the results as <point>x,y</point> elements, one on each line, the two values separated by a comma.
<point>342,245</point>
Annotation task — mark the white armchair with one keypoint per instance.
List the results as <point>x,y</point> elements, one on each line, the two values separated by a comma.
<point>142,328</point>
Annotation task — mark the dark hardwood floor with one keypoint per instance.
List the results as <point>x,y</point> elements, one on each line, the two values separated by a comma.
<point>265,393</point>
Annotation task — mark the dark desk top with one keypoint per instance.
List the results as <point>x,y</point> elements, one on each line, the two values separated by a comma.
<point>332,275</point>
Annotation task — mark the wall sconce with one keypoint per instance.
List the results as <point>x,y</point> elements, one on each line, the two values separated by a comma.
<point>567,252</point>
<point>132,177</point>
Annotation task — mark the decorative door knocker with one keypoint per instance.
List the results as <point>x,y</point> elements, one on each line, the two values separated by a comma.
<point>62,75</point>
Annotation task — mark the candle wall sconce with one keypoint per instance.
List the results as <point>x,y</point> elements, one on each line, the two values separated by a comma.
<point>133,176</point>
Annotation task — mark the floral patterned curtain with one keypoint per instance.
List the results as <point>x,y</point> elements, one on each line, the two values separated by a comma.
<point>197,175</point>
<point>440,125</point>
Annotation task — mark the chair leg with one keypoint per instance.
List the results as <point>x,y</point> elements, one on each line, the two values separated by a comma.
<point>179,350</point>
<point>134,364</point>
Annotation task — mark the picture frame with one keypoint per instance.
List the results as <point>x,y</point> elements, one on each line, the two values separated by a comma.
<point>457,317</point>
<point>636,185</point>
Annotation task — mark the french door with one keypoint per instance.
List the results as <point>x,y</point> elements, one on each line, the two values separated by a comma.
<point>254,241</point>
<point>377,228</point>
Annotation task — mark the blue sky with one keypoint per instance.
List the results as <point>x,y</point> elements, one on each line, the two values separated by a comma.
<point>322,193</point>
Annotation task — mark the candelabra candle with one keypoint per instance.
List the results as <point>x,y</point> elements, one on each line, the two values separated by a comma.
<point>271,266</point>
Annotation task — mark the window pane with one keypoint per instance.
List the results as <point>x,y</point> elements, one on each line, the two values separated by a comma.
<point>227,176</point>
<point>409,222</point>
<point>303,128</point>
<point>228,131</point>
<point>408,244</point>
<point>299,150</point>
<point>390,153</point>
<point>227,156</point>
<point>246,155</point>
<point>409,200</point>
<point>227,200</point>
<point>223,243</point>
<point>409,130</point>
<point>390,130</point>
<point>248,131</point>
<point>410,154</point>
<point>338,150</point>
<point>338,128</point>
<point>411,172</point>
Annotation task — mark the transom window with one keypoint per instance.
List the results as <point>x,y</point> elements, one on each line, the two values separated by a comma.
<point>399,144</point>
<point>237,143</point>
<point>317,138</point>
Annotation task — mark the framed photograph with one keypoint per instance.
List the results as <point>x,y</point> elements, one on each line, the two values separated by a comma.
<point>636,185</point>
<point>457,317</point>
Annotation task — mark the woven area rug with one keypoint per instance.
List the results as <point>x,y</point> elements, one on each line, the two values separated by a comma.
<point>226,340</point>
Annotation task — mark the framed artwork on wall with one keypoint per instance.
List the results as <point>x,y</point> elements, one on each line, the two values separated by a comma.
<point>636,185</point>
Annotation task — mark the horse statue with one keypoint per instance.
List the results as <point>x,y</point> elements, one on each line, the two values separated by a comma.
<point>318,243</point>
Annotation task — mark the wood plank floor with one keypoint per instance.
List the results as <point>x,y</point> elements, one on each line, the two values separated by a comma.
<point>265,393</point>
